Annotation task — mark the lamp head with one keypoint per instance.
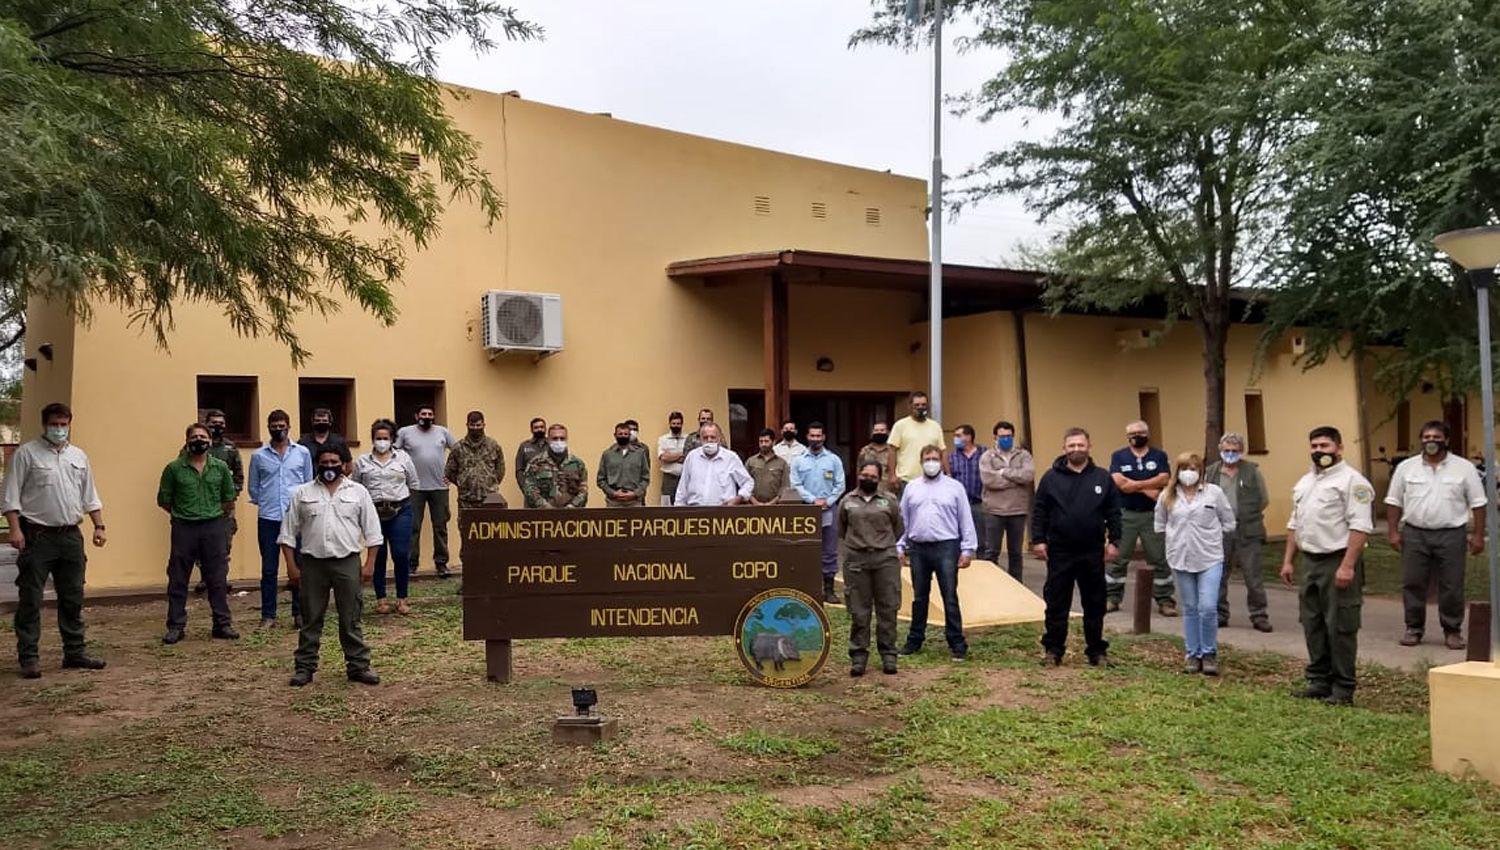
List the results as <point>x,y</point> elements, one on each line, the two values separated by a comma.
<point>584,700</point>
<point>1477,249</point>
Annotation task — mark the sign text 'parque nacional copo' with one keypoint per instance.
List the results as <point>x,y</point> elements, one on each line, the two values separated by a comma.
<point>641,572</point>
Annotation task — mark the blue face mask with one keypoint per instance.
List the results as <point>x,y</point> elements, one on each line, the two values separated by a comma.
<point>959,442</point>
<point>1005,443</point>
<point>1230,458</point>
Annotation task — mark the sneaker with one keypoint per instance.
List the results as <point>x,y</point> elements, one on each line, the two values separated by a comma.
<point>364,677</point>
<point>1454,640</point>
<point>1311,692</point>
<point>172,636</point>
<point>909,650</point>
<point>960,656</point>
<point>301,678</point>
<point>1100,660</point>
<point>1111,606</point>
<point>1051,659</point>
<point>1193,665</point>
<point>267,623</point>
<point>888,666</point>
<point>403,607</point>
<point>1166,608</point>
<point>31,669</point>
<point>1211,664</point>
<point>442,572</point>
<point>83,662</point>
<point>1262,624</point>
<point>1411,638</point>
<point>226,633</point>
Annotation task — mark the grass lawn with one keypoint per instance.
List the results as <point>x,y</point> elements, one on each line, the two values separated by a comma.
<point>1383,569</point>
<point>202,745</point>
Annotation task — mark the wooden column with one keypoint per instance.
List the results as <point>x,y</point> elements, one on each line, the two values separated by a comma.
<point>497,661</point>
<point>777,352</point>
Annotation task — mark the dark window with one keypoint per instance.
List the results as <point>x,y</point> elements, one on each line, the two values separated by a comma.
<point>1150,404</point>
<point>236,396</point>
<point>336,394</point>
<point>1403,426</point>
<point>1255,424</point>
<point>411,395</point>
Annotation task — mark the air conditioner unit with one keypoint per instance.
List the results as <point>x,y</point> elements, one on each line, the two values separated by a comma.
<point>522,321</point>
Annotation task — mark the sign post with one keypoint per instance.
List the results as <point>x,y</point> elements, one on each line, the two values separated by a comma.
<point>627,572</point>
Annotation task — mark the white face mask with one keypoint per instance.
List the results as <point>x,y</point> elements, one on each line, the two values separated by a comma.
<point>382,445</point>
<point>710,449</point>
<point>558,447</point>
<point>57,435</point>
<point>931,468</point>
<point>1187,477</point>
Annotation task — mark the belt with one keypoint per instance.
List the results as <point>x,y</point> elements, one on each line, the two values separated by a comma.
<point>27,524</point>
<point>1449,528</point>
<point>399,503</point>
<point>197,521</point>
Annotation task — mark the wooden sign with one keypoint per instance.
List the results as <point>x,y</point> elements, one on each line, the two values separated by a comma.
<point>639,572</point>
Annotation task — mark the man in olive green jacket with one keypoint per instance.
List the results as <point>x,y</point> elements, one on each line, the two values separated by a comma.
<point>1242,482</point>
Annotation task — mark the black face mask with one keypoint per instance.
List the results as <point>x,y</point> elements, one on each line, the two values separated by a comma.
<point>1077,458</point>
<point>879,439</point>
<point>476,433</point>
<point>198,447</point>
<point>329,473</point>
<point>622,440</point>
<point>539,436</point>
<point>1139,441</point>
<point>322,427</point>
<point>789,435</point>
<point>278,435</point>
<point>868,485</point>
<point>424,422</point>
<point>919,415</point>
<point>1323,460</point>
<point>815,444</point>
<point>676,430</point>
<point>216,431</point>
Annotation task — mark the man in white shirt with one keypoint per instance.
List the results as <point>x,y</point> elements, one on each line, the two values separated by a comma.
<point>331,518</point>
<point>788,448</point>
<point>1432,498</point>
<point>712,475</point>
<point>670,452</point>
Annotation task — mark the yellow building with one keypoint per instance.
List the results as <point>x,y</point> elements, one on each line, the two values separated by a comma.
<point>692,273</point>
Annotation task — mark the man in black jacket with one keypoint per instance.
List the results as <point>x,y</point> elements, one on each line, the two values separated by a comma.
<point>1075,528</point>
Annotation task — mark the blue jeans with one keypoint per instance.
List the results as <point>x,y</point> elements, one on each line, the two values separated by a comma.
<point>397,534</point>
<point>266,532</point>
<point>1199,593</point>
<point>831,549</point>
<point>940,559</point>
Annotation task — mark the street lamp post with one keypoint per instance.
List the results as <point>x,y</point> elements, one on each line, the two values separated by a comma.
<point>914,12</point>
<point>1478,251</point>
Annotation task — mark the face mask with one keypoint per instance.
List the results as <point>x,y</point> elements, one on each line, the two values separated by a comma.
<point>1077,458</point>
<point>539,435</point>
<point>767,450</point>
<point>919,414</point>
<point>476,433</point>
<point>1434,447</point>
<point>1229,457</point>
<point>710,449</point>
<point>1323,460</point>
<point>676,430</point>
<point>879,439</point>
<point>634,435</point>
<point>558,447</point>
<point>57,436</point>
<point>382,445</point>
<point>198,447</point>
<point>868,485</point>
<point>329,474</point>
<point>960,442</point>
<point>424,422</point>
<point>789,435</point>
<point>815,445</point>
<point>278,435</point>
<point>216,431</point>
<point>322,427</point>
<point>1139,440</point>
<point>1004,444</point>
<point>622,440</point>
<point>931,468</point>
<point>1187,477</point>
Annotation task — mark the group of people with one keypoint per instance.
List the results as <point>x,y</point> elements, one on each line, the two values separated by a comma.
<point>335,521</point>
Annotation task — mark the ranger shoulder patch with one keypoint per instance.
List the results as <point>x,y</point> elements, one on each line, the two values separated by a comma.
<point>1363,494</point>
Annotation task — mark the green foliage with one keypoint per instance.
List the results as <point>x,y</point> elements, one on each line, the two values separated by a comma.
<point>219,151</point>
<point>758,743</point>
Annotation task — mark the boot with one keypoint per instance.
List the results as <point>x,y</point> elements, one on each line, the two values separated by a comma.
<point>1411,638</point>
<point>856,668</point>
<point>31,669</point>
<point>829,596</point>
<point>1166,608</point>
<point>1262,624</point>
<point>1193,665</point>
<point>1211,664</point>
<point>83,662</point>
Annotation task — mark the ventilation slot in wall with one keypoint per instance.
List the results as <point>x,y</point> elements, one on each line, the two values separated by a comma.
<point>872,216</point>
<point>411,161</point>
<point>819,210</point>
<point>762,204</point>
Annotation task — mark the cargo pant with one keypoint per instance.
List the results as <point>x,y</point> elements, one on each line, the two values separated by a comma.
<point>1140,525</point>
<point>57,552</point>
<point>1442,552</point>
<point>1244,553</point>
<point>1330,622</point>
<point>204,542</point>
<point>319,577</point>
<point>872,585</point>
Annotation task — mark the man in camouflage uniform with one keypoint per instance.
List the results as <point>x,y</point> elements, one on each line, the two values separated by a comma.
<point>556,478</point>
<point>225,450</point>
<point>477,466</point>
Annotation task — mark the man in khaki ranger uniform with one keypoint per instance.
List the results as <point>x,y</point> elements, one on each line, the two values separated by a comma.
<point>869,525</point>
<point>1331,520</point>
<point>555,478</point>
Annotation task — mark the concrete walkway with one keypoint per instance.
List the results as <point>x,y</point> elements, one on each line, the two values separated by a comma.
<point>1383,624</point>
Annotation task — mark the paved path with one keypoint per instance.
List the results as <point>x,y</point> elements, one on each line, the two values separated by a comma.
<point>1382,626</point>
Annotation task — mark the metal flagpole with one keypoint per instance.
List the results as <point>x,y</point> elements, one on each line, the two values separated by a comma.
<point>935,289</point>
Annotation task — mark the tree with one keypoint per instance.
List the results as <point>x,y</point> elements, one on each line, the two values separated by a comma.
<point>1404,144</point>
<point>1163,166</point>
<point>218,150</point>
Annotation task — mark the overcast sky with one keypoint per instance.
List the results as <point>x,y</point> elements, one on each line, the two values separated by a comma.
<point>770,73</point>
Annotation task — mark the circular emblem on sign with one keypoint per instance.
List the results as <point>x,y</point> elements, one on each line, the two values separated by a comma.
<point>782,638</point>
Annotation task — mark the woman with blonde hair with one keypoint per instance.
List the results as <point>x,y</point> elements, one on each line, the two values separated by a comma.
<point>1195,515</point>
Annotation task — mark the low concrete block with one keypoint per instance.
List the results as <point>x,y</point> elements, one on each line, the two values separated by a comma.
<point>1465,723</point>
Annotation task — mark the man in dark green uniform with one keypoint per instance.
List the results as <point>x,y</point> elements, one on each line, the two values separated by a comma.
<point>624,470</point>
<point>869,525</point>
<point>198,492</point>
<point>531,448</point>
<point>1331,520</point>
<point>555,478</point>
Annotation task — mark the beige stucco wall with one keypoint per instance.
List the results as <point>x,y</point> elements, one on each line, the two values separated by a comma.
<point>597,208</point>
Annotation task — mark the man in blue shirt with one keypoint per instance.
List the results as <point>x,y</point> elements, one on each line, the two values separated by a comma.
<point>1140,471</point>
<point>818,477</point>
<point>276,469</point>
<point>963,466</point>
